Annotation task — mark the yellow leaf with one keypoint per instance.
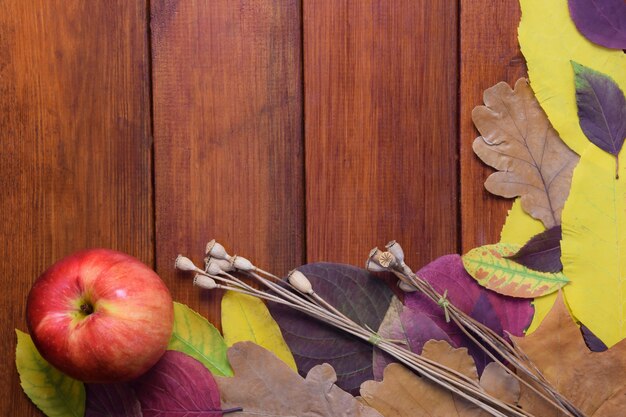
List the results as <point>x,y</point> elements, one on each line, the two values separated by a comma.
<point>519,226</point>
<point>246,318</point>
<point>198,338</point>
<point>53,392</point>
<point>518,229</point>
<point>594,245</point>
<point>549,41</point>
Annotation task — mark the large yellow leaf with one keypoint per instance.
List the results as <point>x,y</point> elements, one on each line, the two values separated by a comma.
<point>594,245</point>
<point>246,318</point>
<point>519,226</point>
<point>55,393</point>
<point>549,41</point>
<point>198,338</point>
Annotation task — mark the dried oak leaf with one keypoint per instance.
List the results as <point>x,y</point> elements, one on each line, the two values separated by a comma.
<point>595,382</point>
<point>519,141</point>
<point>265,385</point>
<point>404,394</point>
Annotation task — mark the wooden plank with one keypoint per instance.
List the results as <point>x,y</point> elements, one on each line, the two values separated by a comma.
<point>489,54</point>
<point>75,165</point>
<point>381,134</point>
<point>228,135</point>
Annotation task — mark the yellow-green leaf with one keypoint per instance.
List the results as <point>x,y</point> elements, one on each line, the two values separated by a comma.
<point>55,393</point>
<point>519,228</point>
<point>549,41</point>
<point>246,318</point>
<point>489,266</point>
<point>594,245</point>
<point>198,338</point>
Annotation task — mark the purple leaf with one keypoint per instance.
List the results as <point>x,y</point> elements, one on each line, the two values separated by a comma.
<point>499,312</point>
<point>111,400</point>
<point>178,385</point>
<point>411,328</point>
<point>591,340</point>
<point>601,21</point>
<point>359,295</point>
<point>601,109</point>
<point>542,252</point>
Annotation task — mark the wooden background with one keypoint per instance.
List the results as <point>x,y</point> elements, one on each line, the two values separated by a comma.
<point>291,130</point>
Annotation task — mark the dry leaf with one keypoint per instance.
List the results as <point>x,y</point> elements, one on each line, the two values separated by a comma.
<point>519,141</point>
<point>265,385</point>
<point>593,381</point>
<point>500,384</point>
<point>404,394</point>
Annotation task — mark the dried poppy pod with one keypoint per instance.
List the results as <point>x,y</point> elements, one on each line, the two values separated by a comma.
<point>300,282</point>
<point>387,260</point>
<point>183,263</point>
<point>396,250</point>
<point>216,250</point>
<point>242,264</point>
<point>205,282</point>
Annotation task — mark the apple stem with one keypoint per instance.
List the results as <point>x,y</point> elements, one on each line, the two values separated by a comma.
<point>86,308</point>
<point>232,410</point>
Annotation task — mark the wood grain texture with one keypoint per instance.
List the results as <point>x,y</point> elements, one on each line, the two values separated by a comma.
<point>381,128</point>
<point>489,54</point>
<point>228,135</point>
<point>75,165</point>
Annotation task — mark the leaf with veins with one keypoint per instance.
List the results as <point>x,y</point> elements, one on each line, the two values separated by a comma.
<point>531,159</point>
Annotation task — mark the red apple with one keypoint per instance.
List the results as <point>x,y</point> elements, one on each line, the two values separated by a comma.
<point>100,316</point>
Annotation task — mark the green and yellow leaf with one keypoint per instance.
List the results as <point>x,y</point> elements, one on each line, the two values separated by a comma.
<point>246,318</point>
<point>489,266</point>
<point>549,41</point>
<point>53,392</point>
<point>594,245</point>
<point>519,228</point>
<point>198,338</point>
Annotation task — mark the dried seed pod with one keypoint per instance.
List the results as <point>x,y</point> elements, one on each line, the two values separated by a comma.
<point>226,266</point>
<point>406,287</point>
<point>372,266</point>
<point>242,264</point>
<point>184,264</point>
<point>387,260</point>
<point>204,282</point>
<point>216,250</point>
<point>214,267</point>
<point>300,282</point>
<point>395,248</point>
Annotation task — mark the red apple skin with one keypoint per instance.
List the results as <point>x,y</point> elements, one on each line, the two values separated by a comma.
<point>128,330</point>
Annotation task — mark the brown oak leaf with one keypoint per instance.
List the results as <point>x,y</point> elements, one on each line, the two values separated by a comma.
<point>595,382</point>
<point>265,385</point>
<point>404,394</point>
<point>519,141</point>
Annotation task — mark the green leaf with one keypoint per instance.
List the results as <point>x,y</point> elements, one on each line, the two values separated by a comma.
<point>53,392</point>
<point>246,318</point>
<point>490,268</point>
<point>198,338</point>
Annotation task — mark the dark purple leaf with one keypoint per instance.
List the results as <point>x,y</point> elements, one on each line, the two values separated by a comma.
<point>542,252</point>
<point>111,400</point>
<point>601,21</point>
<point>178,385</point>
<point>591,340</point>
<point>356,293</point>
<point>601,109</point>
<point>499,312</point>
<point>412,328</point>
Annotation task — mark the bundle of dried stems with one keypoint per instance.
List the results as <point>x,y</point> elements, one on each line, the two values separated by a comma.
<point>297,293</point>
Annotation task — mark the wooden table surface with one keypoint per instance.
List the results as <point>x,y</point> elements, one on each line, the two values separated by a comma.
<point>292,131</point>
